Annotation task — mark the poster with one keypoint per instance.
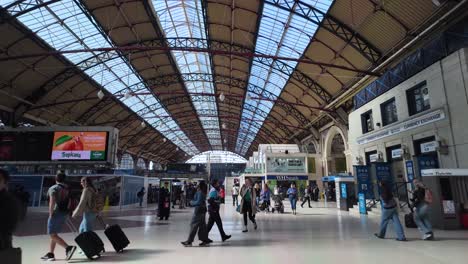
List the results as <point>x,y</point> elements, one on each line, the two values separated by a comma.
<point>79,146</point>
<point>364,181</point>
<point>362,203</point>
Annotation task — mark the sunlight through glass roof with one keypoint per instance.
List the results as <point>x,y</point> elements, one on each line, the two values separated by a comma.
<point>65,26</point>
<point>184,19</point>
<point>217,156</point>
<point>281,33</point>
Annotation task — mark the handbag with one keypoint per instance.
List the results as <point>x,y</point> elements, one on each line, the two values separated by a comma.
<point>11,255</point>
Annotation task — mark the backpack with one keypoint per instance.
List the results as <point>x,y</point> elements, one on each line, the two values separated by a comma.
<point>99,202</point>
<point>428,196</point>
<point>63,199</point>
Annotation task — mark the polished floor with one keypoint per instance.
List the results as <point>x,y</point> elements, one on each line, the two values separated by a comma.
<point>316,235</point>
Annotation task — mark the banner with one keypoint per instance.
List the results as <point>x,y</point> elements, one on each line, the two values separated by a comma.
<point>286,164</point>
<point>79,146</point>
<point>364,181</point>
<point>362,203</point>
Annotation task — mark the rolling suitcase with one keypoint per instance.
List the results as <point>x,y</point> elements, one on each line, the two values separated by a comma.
<point>116,236</point>
<point>91,245</point>
<point>11,255</point>
<point>89,242</point>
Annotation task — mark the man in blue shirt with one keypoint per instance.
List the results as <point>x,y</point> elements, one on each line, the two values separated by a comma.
<point>214,202</point>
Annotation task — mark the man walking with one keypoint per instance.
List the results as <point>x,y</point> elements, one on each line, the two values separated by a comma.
<point>307,195</point>
<point>235,195</point>
<point>59,210</point>
<point>214,202</point>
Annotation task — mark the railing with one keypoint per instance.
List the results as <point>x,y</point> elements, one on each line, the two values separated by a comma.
<point>400,191</point>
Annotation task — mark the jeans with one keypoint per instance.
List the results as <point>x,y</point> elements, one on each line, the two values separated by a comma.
<point>293,201</point>
<point>88,222</point>
<point>235,201</point>
<point>421,218</point>
<point>247,210</point>
<point>306,199</point>
<point>214,217</point>
<point>387,215</point>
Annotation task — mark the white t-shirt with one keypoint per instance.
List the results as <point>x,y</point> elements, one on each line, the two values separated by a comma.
<point>235,190</point>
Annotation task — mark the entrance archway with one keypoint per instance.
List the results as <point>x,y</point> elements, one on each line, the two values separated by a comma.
<point>336,156</point>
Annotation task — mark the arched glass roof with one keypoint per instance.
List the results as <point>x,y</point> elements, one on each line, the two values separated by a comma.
<point>217,156</point>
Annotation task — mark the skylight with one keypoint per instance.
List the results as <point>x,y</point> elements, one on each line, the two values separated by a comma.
<point>217,156</point>
<point>65,26</point>
<point>281,33</point>
<point>184,19</point>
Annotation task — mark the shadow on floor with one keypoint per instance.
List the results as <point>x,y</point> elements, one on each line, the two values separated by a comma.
<point>129,254</point>
<point>243,243</point>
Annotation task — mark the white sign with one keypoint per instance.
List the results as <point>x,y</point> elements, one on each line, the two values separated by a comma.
<point>444,172</point>
<point>374,157</point>
<point>449,207</point>
<point>429,146</point>
<point>404,126</point>
<point>397,153</point>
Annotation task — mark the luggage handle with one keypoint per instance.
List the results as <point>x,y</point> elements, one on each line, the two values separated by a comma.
<point>101,220</point>
<point>72,226</point>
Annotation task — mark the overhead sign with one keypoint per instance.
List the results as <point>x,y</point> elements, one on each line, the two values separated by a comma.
<point>287,177</point>
<point>79,145</point>
<point>429,146</point>
<point>397,153</point>
<point>404,126</point>
<point>286,164</point>
<point>374,157</point>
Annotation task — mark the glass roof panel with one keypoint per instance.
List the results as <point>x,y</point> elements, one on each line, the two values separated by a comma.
<point>184,19</point>
<point>217,156</point>
<point>64,25</point>
<point>281,33</point>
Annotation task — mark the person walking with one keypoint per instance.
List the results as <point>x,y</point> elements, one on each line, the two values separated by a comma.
<point>235,195</point>
<point>140,196</point>
<point>87,205</point>
<point>265,196</point>
<point>316,193</point>
<point>59,200</point>
<point>198,223</point>
<point>248,206</point>
<point>10,211</point>
<point>164,204</point>
<point>422,198</point>
<point>292,195</point>
<point>257,195</point>
<point>389,212</point>
<point>307,196</point>
<point>214,201</point>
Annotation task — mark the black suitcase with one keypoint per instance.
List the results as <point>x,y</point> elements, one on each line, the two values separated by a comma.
<point>91,245</point>
<point>117,237</point>
<point>409,221</point>
<point>11,255</point>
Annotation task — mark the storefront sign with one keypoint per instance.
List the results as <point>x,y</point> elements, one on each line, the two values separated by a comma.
<point>429,146</point>
<point>397,153</point>
<point>445,172</point>
<point>374,157</point>
<point>427,162</point>
<point>449,207</point>
<point>288,177</point>
<point>286,164</point>
<point>404,126</point>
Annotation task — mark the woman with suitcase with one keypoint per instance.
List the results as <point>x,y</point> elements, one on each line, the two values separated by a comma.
<point>86,206</point>
<point>198,223</point>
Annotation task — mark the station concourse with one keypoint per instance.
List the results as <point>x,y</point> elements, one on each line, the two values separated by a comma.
<point>329,131</point>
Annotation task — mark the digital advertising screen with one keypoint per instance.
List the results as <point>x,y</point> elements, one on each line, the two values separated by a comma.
<point>81,145</point>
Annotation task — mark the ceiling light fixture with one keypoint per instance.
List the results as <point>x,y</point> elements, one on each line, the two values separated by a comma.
<point>223,125</point>
<point>143,124</point>
<point>128,95</point>
<point>222,97</point>
<point>164,140</point>
<point>100,94</point>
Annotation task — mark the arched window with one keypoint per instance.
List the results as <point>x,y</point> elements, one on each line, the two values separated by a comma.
<point>141,164</point>
<point>126,162</point>
<point>217,156</point>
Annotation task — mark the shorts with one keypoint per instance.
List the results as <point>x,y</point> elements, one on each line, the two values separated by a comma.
<point>56,222</point>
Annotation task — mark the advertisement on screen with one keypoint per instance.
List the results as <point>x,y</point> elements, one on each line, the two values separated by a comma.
<point>79,146</point>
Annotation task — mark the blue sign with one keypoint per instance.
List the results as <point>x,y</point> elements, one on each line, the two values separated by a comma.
<point>364,181</point>
<point>287,177</point>
<point>383,172</point>
<point>427,162</point>
<point>344,194</point>
<point>362,203</point>
<point>410,170</point>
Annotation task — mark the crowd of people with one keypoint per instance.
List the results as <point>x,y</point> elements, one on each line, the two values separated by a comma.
<point>247,198</point>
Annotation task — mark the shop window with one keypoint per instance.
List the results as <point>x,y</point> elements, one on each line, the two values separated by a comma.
<point>389,112</point>
<point>418,99</point>
<point>367,122</point>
